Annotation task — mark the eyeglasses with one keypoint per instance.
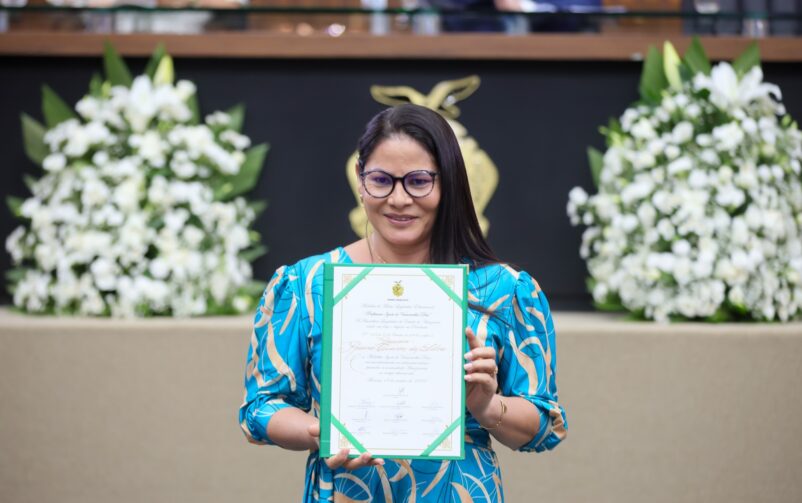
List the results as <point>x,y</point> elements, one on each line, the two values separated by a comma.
<point>379,184</point>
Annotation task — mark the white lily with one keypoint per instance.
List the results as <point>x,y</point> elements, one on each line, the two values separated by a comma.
<point>727,91</point>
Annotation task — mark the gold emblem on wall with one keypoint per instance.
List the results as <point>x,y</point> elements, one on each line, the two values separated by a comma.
<point>482,173</point>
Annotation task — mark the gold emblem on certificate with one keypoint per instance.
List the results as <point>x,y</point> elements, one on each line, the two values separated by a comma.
<point>398,289</point>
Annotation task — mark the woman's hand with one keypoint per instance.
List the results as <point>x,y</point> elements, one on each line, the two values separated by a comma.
<point>341,458</point>
<point>480,376</point>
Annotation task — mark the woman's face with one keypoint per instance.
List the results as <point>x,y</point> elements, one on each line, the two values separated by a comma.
<point>399,219</point>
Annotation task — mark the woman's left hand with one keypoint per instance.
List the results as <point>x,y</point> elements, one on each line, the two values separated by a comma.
<point>480,375</point>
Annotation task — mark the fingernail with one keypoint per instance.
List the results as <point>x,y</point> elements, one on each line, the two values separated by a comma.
<point>468,356</point>
<point>468,377</point>
<point>468,366</point>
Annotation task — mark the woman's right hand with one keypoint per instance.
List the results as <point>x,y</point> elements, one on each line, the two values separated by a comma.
<point>341,458</point>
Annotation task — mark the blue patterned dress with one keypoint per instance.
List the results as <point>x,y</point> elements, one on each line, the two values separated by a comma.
<point>283,370</point>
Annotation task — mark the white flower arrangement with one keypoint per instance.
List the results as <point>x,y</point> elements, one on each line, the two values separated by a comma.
<point>698,213</point>
<point>138,211</point>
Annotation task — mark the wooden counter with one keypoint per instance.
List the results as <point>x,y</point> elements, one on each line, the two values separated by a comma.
<point>567,47</point>
<point>97,410</point>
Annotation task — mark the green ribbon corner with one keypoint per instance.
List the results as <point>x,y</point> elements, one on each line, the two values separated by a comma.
<point>442,284</point>
<point>347,434</point>
<point>350,286</point>
<point>439,440</point>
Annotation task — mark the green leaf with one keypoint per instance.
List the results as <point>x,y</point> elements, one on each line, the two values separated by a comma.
<point>192,103</point>
<point>653,79</point>
<point>29,181</point>
<point>696,59</point>
<point>15,205</point>
<point>253,253</point>
<point>596,161</point>
<point>248,174</point>
<point>609,306</point>
<point>749,58</point>
<point>155,59</point>
<point>671,66</point>
<point>258,207</point>
<point>720,316</point>
<point>54,109</point>
<point>252,288</point>
<point>116,70</point>
<point>165,74</point>
<point>33,135</point>
<point>16,274</point>
<point>96,86</point>
<point>637,315</point>
<point>237,114</point>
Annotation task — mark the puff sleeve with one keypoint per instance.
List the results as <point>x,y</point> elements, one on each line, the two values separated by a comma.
<point>278,356</point>
<point>528,364</point>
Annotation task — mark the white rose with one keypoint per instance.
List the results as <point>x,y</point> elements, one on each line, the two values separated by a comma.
<point>728,137</point>
<point>681,247</point>
<point>680,165</point>
<point>666,229</point>
<point>100,158</point>
<point>682,271</point>
<point>704,140</point>
<point>642,160</point>
<point>682,133</point>
<point>150,147</point>
<point>158,268</point>
<point>740,231</point>
<point>176,219</point>
<point>238,141</point>
<point>578,196</point>
<point>88,107</point>
<point>95,193</point>
<point>698,179</point>
<point>185,89</point>
<point>128,193</point>
<point>749,125</point>
<point>636,191</point>
<point>140,107</point>
<point>105,274</point>
<point>54,162</point>
<point>77,143</point>
<point>193,236</point>
<point>183,169</point>
<point>647,214</point>
<point>643,129</point>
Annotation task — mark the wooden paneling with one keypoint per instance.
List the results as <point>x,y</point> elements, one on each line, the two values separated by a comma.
<point>458,46</point>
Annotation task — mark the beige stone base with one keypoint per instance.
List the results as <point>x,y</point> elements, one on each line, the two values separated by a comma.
<point>132,411</point>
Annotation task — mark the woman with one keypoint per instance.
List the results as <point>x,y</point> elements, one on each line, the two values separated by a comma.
<point>416,196</point>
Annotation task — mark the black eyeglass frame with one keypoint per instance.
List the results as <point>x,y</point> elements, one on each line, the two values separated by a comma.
<point>401,179</point>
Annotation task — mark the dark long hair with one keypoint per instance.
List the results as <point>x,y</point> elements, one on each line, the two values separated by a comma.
<point>456,236</point>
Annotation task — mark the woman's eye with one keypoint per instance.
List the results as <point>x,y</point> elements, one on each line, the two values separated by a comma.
<point>381,180</point>
<point>419,181</point>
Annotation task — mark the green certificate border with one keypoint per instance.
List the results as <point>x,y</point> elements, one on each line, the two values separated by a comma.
<point>327,420</point>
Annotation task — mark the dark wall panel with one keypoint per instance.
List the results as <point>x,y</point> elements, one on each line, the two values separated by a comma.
<point>533,118</point>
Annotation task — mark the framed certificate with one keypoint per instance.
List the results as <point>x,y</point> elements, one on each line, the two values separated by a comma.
<point>392,368</point>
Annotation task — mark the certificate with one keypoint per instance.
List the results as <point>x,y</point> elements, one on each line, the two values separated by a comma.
<point>392,363</point>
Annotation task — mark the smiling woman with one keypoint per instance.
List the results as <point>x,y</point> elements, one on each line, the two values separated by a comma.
<point>402,218</point>
<point>415,192</point>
